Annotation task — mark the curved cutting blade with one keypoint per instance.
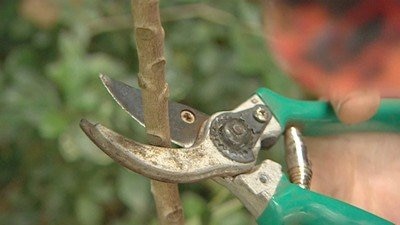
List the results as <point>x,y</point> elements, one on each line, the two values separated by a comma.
<point>185,122</point>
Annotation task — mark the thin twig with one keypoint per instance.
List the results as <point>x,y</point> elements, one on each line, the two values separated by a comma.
<point>149,36</point>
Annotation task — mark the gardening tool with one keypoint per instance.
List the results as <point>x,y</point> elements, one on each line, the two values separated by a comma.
<point>225,146</point>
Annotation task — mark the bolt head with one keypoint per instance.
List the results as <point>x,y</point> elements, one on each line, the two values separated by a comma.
<point>188,117</point>
<point>261,115</point>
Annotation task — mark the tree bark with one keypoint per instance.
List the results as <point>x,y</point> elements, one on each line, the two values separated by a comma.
<point>149,36</point>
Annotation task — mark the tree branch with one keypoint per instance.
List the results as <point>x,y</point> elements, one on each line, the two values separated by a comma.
<point>149,36</point>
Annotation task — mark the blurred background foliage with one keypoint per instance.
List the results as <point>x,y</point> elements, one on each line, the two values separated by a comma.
<point>51,53</point>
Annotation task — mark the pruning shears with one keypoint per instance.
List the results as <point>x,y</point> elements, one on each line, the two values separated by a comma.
<point>225,146</point>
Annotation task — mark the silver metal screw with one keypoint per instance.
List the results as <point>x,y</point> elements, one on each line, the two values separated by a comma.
<point>264,178</point>
<point>261,115</point>
<point>188,117</point>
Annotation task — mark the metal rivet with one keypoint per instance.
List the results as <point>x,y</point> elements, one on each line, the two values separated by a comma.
<point>188,117</point>
<point>264,178</point>
<point>261,115</point>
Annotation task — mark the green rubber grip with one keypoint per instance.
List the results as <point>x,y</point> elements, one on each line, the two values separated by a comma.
<point>316,118</point>
<point>294,205</point>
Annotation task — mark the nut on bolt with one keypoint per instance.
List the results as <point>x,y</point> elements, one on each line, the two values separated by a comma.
<point>298,164</point>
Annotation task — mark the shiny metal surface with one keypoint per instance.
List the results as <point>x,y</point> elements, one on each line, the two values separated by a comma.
<point>185,122</point>
<point>299,166</point>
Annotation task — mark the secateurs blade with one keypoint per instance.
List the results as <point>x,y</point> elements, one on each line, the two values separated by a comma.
<point>186,121</point>
<point>224,144</point>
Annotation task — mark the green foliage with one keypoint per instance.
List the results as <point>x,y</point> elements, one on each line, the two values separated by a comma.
<point>51,53</point>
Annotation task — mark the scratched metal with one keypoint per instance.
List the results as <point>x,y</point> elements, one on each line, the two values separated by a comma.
<point>183,133</point>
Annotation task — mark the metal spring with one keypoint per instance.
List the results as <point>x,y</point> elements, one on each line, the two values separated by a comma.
<point>298,164</point>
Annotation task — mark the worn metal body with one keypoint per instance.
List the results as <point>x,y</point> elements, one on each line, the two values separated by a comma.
<point>256,188</point>
<point>214,153</point>
<point>182,165</point>
<point>225,147</point>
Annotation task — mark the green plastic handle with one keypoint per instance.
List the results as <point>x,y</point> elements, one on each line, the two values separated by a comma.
<point>316,118</point>
<point>294,205</point>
